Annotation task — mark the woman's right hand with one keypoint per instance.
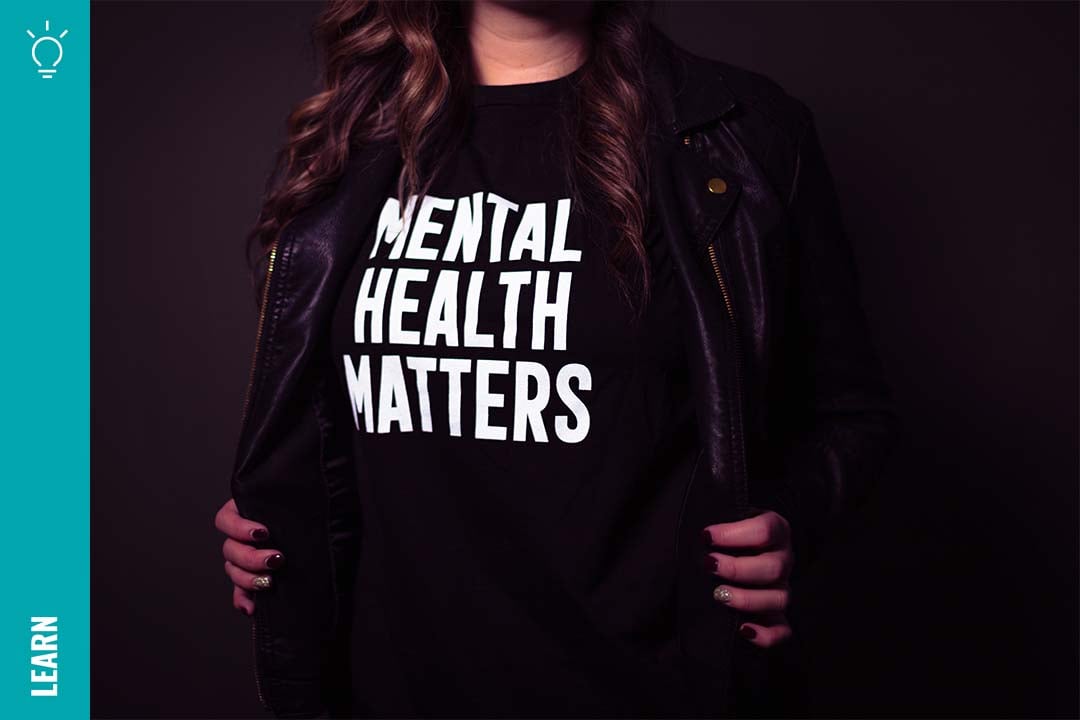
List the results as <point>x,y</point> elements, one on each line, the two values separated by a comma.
<point>243,562</point>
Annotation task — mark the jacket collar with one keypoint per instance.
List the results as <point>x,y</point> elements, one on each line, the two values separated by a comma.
<point>689,91</point>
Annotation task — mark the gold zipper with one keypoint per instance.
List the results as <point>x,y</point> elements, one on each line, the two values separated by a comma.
<point>714,260</point>
<point>255,653</point>
<point>741,500</point>
<point>243,418</point>
<point>259,329</point>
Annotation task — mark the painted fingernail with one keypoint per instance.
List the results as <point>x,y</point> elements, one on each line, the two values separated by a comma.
<point>259,534</point>
<point>706,537</point>
<point>241,610</point>
<point>710,563</point>
<point>261,582</point>
<point>721,594</point>
<point>274,561</point>
<point>748,632</point>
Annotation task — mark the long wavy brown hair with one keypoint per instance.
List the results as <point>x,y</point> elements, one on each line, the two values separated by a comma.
<point>401,69</point>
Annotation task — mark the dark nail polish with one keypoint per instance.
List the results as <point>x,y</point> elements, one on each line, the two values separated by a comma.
<point>748,632</point>
<point>241,610</point>
<point>274,561</point>
<point>259,534</point>
<point>706,537</point>
<point>710,563</point>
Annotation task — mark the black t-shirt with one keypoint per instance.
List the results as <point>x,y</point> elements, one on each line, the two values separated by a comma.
<point>523,443</point>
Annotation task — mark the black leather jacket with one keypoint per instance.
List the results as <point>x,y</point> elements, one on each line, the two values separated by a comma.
<point>793,413</point>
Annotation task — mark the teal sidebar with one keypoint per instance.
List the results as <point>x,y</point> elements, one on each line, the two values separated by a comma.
<point>44,359</point>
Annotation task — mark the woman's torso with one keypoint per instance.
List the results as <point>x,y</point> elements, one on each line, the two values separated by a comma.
<point>518,542</point>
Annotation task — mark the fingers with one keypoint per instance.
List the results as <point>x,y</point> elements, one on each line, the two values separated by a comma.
<point>767,568</point>
<point>250,558</point>
<point>765,531</point>
<point>243,600</point>
<point>242,561</point>
<point>246,580</point>
<point>229,521</point>
<point>769,529</point>
<point>772,629</point>
<point>753,600</point>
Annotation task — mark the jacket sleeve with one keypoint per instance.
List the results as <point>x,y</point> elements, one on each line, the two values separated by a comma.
<point>840,416</point>
<point>299,483</point>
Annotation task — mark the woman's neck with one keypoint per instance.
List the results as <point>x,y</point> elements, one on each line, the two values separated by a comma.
<point>521,41</point>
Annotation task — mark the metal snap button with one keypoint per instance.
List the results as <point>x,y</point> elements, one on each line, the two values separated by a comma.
<point>717,185</point>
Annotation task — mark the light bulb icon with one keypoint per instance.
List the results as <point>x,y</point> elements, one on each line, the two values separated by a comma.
<point>41,47</point>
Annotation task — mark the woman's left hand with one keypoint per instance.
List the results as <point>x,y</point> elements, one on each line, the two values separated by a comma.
<point>758,576</point>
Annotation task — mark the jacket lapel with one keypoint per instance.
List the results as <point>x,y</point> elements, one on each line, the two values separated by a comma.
<point>314,256</point>
<point>686,95</point>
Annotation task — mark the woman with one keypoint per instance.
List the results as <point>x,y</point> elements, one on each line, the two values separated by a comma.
<point>560,364</point>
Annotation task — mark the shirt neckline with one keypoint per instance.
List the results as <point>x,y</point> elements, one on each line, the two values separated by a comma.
<point>534,93</point>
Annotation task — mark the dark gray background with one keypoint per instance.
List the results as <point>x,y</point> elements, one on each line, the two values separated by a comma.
<point>952,132</point>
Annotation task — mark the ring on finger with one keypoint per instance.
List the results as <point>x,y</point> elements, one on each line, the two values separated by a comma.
<point>261,582</point>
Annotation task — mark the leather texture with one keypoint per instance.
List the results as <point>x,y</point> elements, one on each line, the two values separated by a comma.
<point>793,411</point>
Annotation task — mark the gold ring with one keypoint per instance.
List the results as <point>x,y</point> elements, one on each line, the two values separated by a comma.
<point>261,582</point>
